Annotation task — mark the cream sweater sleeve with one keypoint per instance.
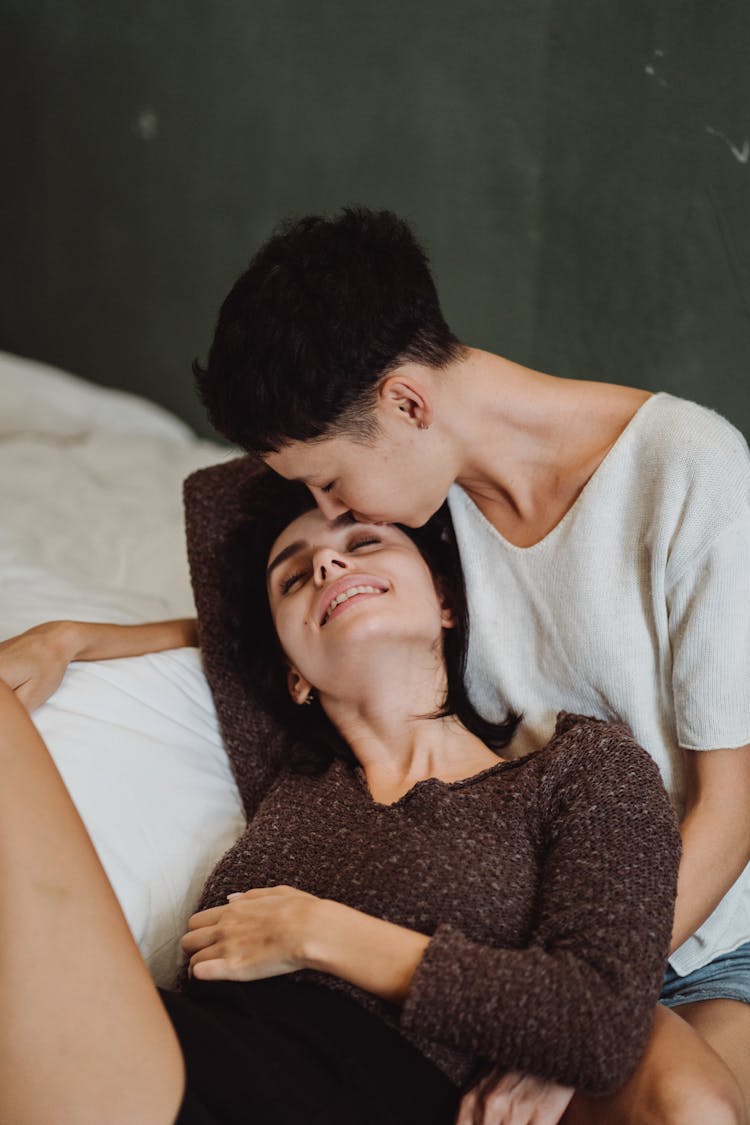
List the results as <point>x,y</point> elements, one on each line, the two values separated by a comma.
<point>708,596</point>
<point>709,625</point>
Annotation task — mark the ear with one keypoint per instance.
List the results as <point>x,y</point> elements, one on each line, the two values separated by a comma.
<point>447,614</point>
<point>299,687</point>
<point>401,393</point>
<point>448,618</point>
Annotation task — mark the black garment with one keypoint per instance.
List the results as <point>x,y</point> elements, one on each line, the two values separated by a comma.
<point>279,1052</point>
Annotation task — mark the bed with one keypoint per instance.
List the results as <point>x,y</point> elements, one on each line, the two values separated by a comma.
<point>92,529</point>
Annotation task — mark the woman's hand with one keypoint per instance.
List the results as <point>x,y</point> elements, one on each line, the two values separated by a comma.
<point>261,933</point>
<point>516,1099</point>
<point>267,932</point>
<point>34,663</point>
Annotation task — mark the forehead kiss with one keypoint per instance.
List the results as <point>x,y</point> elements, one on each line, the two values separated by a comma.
<point>337,473</point>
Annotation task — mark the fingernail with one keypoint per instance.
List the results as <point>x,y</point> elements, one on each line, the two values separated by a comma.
<point>237,894</point>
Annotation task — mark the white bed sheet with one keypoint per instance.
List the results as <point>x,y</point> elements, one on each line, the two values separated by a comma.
<point>91,527</point>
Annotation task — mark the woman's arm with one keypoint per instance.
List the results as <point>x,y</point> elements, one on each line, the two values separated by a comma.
<point>715,834</point>
<point>708,606</point>
<point>34,662</point>
<point>94,641</point>
<point>369,952</point>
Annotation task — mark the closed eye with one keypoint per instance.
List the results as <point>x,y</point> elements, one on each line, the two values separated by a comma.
<point>328,487</point>
<point>365,542</point>
<point>287,584</point>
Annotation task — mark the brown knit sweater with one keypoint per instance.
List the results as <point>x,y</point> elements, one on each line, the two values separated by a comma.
<point>547,883</point>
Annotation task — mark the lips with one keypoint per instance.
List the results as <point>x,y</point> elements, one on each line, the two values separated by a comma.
<point>330,594</point>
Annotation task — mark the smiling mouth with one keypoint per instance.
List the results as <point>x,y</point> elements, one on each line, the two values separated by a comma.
<point>351,593</point>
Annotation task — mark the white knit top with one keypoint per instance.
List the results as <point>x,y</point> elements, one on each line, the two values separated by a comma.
<point>635,607</point>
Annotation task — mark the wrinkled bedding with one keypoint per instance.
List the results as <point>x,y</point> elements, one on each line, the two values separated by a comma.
<point>91,528</point>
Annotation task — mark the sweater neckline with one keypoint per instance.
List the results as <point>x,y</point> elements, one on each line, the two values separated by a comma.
<point>565,721</point>
<point>599,472</point>
<point>460,783</point>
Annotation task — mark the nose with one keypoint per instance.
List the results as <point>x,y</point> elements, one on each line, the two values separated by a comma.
<point>328,503</point>
<point>327,564</point>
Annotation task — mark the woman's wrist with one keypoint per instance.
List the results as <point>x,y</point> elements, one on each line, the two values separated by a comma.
<point>84,640</point>
<point>66,637</point>
<point>372,954</point>
<point>318,945</point>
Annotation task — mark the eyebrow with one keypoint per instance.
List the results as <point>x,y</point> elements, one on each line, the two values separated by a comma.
<point>300,544</point>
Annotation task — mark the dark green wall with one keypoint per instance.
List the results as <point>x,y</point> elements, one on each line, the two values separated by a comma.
<point>579,170</point>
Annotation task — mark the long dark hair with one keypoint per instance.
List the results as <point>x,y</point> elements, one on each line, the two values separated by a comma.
<point>260,659</point>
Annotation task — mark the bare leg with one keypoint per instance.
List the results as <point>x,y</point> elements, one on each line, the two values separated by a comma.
<point>84,1039</point>
<point>680,1080</point>
<point>725,1025</point>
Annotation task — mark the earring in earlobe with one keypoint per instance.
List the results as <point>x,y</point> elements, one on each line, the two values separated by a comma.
<point>309,700</point>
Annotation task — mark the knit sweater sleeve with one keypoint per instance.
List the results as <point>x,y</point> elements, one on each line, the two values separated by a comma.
<point>215,501</point>
<point>575,1004</point>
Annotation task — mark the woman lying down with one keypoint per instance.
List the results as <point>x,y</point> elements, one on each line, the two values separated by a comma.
<point>405,912</point>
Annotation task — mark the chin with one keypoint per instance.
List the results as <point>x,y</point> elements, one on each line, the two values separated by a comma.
<point>365,635</point>
<point>360,620</point>
<point>406,519</point>
<point>419,519</point>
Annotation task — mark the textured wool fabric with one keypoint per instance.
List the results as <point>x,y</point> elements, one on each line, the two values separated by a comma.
<point>215,500</point>
<point>634,608</point>
<point>547,884</point>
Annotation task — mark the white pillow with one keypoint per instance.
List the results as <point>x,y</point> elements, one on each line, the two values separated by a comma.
<point>137,744</point>
<point>41,400</point>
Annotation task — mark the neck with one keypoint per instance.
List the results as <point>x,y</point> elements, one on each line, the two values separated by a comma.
<point>522,438</point>
<point>384,713</point>
<point>507,419</point>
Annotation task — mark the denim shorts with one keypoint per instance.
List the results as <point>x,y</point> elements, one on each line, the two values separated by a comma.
<point>725,978</point>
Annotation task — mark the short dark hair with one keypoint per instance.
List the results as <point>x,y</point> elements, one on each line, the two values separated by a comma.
<point>259,658</point>
<point>324,310</point>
